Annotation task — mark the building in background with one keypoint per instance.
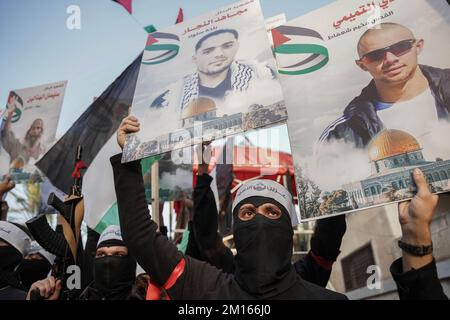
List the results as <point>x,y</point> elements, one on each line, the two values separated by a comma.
<point>371,239</point>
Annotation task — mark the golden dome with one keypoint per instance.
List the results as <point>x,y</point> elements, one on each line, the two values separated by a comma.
<point>197,107</point>
<point>389,143</point>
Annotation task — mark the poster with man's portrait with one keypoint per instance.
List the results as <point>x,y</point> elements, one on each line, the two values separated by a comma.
<point>28,128</point>
<point>367,88</point>
<point>209,77</point>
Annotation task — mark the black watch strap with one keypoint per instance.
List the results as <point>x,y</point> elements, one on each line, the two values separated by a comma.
<point>418,251</point>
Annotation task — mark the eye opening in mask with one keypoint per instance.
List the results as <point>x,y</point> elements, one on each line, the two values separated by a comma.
<point>269,210</point>
<point>117,251</point>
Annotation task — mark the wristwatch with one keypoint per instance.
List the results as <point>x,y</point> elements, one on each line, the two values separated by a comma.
<point>418,251</point>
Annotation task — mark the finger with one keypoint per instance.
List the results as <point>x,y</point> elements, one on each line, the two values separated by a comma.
<point>48,289</point>
<point>402,206</point>
<point>129,128</point>
<point>42,289</point>
<point>132,118</point>
<point>421,183</point>
<point>131,122</point>
<point>51,281</point>
<point>57,291</point>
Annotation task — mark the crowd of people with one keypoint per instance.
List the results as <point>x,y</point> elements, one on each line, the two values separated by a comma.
<point>263,267</point>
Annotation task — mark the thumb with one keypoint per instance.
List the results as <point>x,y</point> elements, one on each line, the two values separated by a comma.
<point>403,210</point>
<point>57,292</point>
<point>421,183</point>
<point>403,205</point>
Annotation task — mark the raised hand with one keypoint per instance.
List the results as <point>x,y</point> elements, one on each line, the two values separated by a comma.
<point>128,125</point>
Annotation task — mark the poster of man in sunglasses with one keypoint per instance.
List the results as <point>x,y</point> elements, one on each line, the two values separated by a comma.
<point>390,53</point>
<point>377,109</point>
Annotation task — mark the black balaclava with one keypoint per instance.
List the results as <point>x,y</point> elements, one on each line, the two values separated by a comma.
<point>32,270</point>
<point>264,251</point>
<point>10,258</point>
<point>113,275</point>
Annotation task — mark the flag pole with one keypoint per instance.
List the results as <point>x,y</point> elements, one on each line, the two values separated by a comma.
<point>155,192</point>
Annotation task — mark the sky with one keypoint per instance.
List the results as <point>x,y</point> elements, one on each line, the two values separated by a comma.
<point>38,48</point>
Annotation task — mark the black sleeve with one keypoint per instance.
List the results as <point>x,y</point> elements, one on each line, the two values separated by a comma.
<point>154,252</point>
<point>205,226</point>
<point>199,281</point>
<point>192,249</point>
<point>325,247</point>
<point>308,269</point>
<point>420,284</point>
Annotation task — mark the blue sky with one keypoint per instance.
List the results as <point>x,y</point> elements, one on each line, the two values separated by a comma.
<point>38,48</point>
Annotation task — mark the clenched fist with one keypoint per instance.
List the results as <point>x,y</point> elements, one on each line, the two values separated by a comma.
<point>128,125</point>
<point>49,288</point>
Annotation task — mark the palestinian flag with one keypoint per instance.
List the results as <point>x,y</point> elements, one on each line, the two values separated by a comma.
<point>299,50</point>
<point>126,4</point>
<point>180,16</point>
<point>95,131</point>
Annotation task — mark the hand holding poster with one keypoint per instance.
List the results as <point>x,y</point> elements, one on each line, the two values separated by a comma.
<point>205,78</point>
<point>375,103</point>
<point>28,127</point>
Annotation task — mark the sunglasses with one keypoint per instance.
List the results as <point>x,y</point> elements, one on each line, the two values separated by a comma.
<point>398,49</point>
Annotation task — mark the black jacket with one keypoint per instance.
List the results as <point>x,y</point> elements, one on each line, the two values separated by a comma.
<point>10,287</point>
<point>92,293</point>
<point>360,122</point>
<point>158,256</point>
<point>420,284</point>
<point>11,293</point>
<point>206,244</point>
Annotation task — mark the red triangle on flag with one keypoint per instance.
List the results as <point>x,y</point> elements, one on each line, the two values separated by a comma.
<point>278,38</point>
<point>151,40</point>
<point>126,4</point>
<point>180,16</point>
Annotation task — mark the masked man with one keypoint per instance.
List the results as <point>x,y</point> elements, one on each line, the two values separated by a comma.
<point>13,247</point>
<point>114,272</point>
<point>263,219</point>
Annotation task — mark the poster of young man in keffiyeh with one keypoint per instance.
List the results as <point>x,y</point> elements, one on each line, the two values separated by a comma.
<point>209,77</point>
<point>366,85</point>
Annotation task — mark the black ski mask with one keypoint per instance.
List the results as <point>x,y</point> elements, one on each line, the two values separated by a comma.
<point>30,271</point>
<point>264,251</point>
<point>10,257</point>
<point>113,274</point>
